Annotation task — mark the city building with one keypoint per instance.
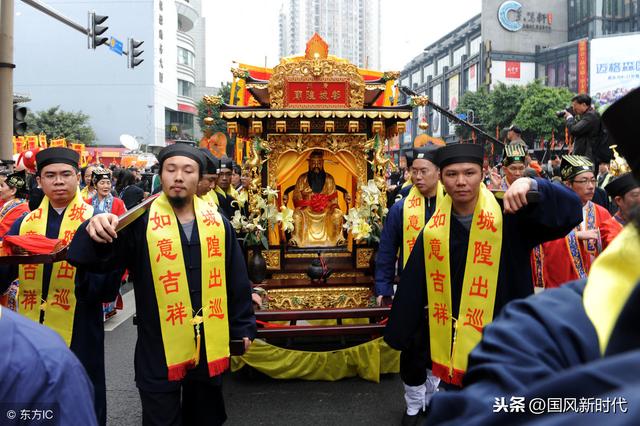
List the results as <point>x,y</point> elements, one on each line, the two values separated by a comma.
<point>350,27</point>
<point>155,102</point>
<point>583,45</point>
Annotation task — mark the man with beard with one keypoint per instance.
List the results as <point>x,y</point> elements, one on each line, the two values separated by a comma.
<point>67,300</point>
<point>404,222</point>
<point>192,292</point>
<point>568,346</point>
<point>569,258</point>
<point>317,218</point>
<point>472,258</point>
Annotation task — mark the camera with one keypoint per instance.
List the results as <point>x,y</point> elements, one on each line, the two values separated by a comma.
<point>560,114</point>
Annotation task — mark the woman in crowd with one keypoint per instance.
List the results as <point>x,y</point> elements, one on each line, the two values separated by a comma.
<point>13,192</point>
<point>131,194</point>
<point>88,190</point>
<point>103,201</point>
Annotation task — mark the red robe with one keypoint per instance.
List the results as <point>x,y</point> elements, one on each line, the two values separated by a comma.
<point>559,266</point>
<point>611,228</point>
<point>7,218</point>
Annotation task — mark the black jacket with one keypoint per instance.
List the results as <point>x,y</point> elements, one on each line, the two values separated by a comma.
<point>586,133</point>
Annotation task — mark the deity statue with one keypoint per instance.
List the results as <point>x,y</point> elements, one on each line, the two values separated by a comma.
<point>317,219</point>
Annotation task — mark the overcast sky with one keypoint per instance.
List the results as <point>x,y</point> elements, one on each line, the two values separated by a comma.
<point>247,30</point>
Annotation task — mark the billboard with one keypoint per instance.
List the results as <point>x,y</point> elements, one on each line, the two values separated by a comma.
<point>512,72</point>
<point>436,97</point>
<point>615,67</point>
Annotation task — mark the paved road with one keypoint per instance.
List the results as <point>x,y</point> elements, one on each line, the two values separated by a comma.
<point>254,399</point>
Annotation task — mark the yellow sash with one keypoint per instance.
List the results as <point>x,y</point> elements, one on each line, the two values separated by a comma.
<point>612,278</point>
<point>60,305</point>
<point>177,319</point>
<point>211,198</point>
<point>449,355</point>
<point>413,215</point>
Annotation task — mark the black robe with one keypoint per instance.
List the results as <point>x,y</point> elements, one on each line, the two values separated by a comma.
<point>558,211</point>
<point>547,347</point>
<point>224,205</point>
<point>130,250</point>
<point>87,340</point>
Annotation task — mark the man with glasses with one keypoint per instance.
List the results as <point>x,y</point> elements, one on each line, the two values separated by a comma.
<point>56,295</point>
<point>569,258</point>
<point>404,222</point>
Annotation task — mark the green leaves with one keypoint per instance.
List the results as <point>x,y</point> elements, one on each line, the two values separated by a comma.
<point>530,107</point>
<point>55,123</point>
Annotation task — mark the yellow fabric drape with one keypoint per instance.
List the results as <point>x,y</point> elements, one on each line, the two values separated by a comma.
<point>367,361</point>
<point>611,281</point>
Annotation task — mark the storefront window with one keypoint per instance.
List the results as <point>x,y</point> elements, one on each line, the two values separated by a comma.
<point>562,74</point>
<point>572,81</point>
<point>551,75</point>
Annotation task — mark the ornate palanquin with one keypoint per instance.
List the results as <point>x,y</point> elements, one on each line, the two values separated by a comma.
<point>276,119</point>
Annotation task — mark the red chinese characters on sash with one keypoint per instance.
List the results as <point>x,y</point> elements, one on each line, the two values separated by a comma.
<point>166,250</point>
<point>170,282</point>
<point>438,219</point>
<point>160,221</point>
<point>413,222</point>
<point>213,247</point>
<point>482,253</point>
<point>436,246</point>
<point>486,221</point>
<point>215,308</point>
<point>29,299</point>
<point>441,313</point>
<point>61,298</point>
<point>215,278</point>
<point>176,313</point>
<point>474,318</point>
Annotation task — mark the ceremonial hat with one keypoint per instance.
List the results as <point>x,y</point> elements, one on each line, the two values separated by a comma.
<point>621,120</point>
<point>621,185</point>
<point>99,173</point>
<point>513,153</point>
<point>57,155</point>
<point>226,163</point>
<point>212,162</point>
<point>179,149</point>
<point>459,153</point>
<point>17,180</point>
<point>515,129</point>
<point>573,165</point>
<point>425,152</point>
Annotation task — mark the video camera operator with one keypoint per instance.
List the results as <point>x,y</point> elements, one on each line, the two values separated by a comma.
<point>586,129</point>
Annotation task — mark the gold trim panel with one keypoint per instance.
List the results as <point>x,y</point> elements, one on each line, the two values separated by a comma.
<point>363,257</point>
<point>402,115</point>
<point>314,255</point>
<point>320,298</point>
<point>303,276</point>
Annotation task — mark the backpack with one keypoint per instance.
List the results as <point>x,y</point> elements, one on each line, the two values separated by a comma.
<point>601,150</point>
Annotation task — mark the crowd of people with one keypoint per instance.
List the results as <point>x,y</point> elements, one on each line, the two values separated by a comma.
<point>463,247</point>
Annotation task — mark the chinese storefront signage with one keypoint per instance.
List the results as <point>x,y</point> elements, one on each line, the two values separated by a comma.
<point>513,18</point>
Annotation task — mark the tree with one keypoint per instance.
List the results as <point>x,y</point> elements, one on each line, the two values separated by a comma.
<point>55,123</point>
<point>537,113</point>
<point>204,110</point>
<point>476,102</point>
<point>504,104</point>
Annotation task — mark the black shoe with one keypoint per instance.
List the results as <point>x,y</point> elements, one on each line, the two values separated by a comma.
<point>408,420</point>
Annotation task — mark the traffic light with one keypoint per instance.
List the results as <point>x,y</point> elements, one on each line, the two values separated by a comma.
<point>96,30</point>
<point>19,124</point>
<point>133,53</point>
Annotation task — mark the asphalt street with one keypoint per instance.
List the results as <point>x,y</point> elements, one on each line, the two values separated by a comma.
<point>252,398</point>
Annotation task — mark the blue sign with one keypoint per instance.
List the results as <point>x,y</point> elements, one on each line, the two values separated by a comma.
<point>503,15</point>
<point>116,46</point>
<point>461,116</point>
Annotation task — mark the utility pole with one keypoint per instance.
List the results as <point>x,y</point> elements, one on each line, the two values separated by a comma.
<point>6,79</point>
